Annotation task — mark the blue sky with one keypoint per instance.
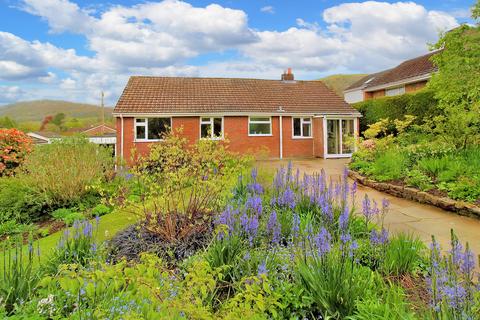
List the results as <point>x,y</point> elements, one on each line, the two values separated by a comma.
<point>71,49</point>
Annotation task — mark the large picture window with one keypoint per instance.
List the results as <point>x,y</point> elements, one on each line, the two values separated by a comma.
<point>395,91</point>
<point>302,127</point>
<point>211,128</point>
<point>259,126</point>
<point>151,128</point>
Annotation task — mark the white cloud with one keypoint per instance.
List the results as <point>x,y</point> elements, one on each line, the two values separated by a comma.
<point>158,38</point>
<point>268,9</point>
<point>10,93</point>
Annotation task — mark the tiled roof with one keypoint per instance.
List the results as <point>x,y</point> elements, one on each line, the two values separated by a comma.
<point>226,95</point>
<point>412,68</point>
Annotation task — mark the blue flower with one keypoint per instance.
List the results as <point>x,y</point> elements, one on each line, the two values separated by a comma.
<point>322,241</point>
<point>262,269</point>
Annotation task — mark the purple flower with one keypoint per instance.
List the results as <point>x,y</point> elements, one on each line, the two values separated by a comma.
<point>227,217</point>
<point>385,204</point>
<point>343,219</point>
<point>468,264</point>
<point>274,228</point>
<point>254,205</point>
<point>322,241</point>
<point>295,226</point>
<point>354,189</point>
<point>255,188</point>
<point>368,209</point>
<point>377,238</point>
<point>246,256</point>
<point>254,174</point>
<point>288,198</point>
<point>262,269</point>
<point>244,221</point>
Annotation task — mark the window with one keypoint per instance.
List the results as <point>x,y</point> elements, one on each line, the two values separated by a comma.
<point>394,91</point>
<point>302,127</point>
<point>151,128</point>
<point>211,128</point>
<point>259,126</point>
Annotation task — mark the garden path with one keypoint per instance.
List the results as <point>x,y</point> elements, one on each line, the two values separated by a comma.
<point>404,215</point>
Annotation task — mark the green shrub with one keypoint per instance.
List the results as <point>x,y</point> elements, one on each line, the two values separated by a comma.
<point>421,104</point>
<point>404,254</point>
<point>63,170</point>
<point>389,165</point>
<point>465,188</point>
<point>100,210</point>
<point>67,215</point>
<point>417,178</point>
<point>11,227</point>
<point>434,166</point>
<point>19,201</point>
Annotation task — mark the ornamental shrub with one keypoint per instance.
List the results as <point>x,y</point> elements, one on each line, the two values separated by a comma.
<point>14,147</point>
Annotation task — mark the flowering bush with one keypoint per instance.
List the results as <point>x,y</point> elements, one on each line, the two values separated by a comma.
<point>14,147</point>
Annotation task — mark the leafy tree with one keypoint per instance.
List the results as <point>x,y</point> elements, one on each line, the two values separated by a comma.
<point>457,85</point>
<point>476,10</point>
<point>59,120</point>
<point>14,147</point>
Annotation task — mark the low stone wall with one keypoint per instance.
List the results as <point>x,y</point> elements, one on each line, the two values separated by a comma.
<point>460,207</point>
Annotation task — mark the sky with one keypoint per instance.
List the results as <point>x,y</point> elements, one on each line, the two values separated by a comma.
<point>72,49</point>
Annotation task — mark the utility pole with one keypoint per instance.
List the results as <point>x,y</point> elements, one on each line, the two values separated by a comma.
<point>103,115</point>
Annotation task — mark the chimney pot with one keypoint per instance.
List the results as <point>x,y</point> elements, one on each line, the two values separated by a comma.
<point>288,75</point>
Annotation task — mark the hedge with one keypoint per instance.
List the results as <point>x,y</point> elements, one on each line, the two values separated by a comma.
<point>420,104</point>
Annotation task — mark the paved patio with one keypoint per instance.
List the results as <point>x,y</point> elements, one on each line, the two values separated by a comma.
<point>404,215</point>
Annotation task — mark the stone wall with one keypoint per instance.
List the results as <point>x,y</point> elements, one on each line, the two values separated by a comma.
<point>460,207</point>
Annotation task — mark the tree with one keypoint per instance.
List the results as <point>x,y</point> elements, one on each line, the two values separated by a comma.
<point>457,85</point>
<point>59,120</point>
<point>8,123</point>
<point>476,10</point>
<point>14,147</point>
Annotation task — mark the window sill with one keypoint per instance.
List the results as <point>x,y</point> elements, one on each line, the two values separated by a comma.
<point>301,138</point>
<point>214,139</point>
<point>148,140</point>
<point>260,135</point>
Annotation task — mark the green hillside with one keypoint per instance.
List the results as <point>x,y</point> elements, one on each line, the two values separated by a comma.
<point>38,109</point>
<point>339,82</point>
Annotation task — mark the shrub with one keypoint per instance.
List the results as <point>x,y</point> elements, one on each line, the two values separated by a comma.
<point>19,201</point>
<point>67,215</point>
<point>61,171</point>
<point>100,210</point>
<point>11,228</point>
<point>14,147</point>
<point>417,178</point>
<point>389,165</point>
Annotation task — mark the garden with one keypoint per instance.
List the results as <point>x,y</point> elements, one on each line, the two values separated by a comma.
<point>430,140</point>
<point>214,238</point>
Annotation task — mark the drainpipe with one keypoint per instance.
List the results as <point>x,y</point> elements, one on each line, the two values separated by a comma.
<point>121,140</point>
<point>281,137</point>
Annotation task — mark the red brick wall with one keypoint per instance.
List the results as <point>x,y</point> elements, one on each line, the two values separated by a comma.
<point>236,131</point>
<point>318,134</point>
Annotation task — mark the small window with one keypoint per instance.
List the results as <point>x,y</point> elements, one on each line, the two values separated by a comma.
<point>394,91</point>
<point>302,127</point>
<point>151,128</point>
<point>211,128</point>
<point>260,126</point>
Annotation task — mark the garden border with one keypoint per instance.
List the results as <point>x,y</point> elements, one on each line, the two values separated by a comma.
<point>459,207</point>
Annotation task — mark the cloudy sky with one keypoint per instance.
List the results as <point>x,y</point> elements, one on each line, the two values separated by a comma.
<point>73,49</point>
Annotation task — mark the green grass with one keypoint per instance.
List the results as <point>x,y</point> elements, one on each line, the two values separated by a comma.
<point>109,225</point>
<point>339,82</point>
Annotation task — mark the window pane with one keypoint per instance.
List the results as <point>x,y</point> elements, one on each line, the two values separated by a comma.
<point>217,127</point>
<point>140,132</point>
<point>347,136</point>
<point>306,129</point>
<point>306,119</point>
<point>259,119</point>
<point>259,128</point>
<point>140,120</point>
<point>296,127</point>
<point>206,120</point>
<point>157,127</point>
<point>205,130</point>
<point>333,137</point>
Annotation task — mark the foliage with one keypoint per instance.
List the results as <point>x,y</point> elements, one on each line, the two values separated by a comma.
<point>7,122</point>
<point>14,147</point>
<point>100,210</point>
<point>456,86</point>
<point>61,171</point>
<point>68,216</point>
<point>403,255</point>
<point>11,228</point>
<point>389,165</point>
<point>421,104</point>
<point>19,201</point>
<point>18,277</point>
<point>75,247</point>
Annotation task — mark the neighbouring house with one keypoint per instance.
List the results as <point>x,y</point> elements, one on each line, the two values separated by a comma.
<point>409,76</point>
<point>279,118</point>
<point>100,134</point>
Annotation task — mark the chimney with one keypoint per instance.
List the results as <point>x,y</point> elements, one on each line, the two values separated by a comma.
<point>288,75</point>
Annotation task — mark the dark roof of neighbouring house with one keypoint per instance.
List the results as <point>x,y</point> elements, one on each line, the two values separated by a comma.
<point>175,95</point>
<point>412,68</point>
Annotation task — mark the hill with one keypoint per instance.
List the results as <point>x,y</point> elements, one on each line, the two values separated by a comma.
<point>36,110</point>
<point>339,82</point>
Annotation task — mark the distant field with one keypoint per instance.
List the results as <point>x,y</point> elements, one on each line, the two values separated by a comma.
<point>339,82</point>
<point>33,111</point>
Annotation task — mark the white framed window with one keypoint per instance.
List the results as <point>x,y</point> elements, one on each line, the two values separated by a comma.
<point>259,126</point>
<point>151,129</point>
<point>211,127</point>
<point>302,127</point>
<point>395,91</point>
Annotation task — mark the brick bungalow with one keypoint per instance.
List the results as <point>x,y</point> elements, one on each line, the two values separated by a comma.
<point>279,118</point>
<point>409,76</point>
